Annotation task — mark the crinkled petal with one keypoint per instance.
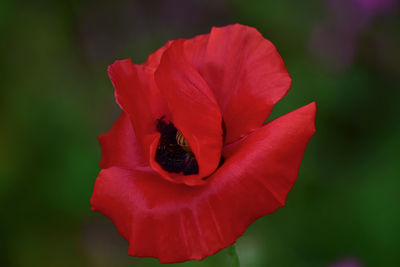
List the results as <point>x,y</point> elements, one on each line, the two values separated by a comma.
<point>136,92</point>
<point>245,72</point>
<point>192,106</point>
<point>174,222</point>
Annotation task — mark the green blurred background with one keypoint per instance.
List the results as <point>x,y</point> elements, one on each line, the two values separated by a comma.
<point>56,98</point>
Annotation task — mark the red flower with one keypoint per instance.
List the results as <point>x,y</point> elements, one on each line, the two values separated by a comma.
<point>189,165</point>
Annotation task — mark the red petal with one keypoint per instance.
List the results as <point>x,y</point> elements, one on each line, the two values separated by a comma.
<point>137,94</point>
<point>245,72</point>
<point>154,59</point>
<point>174,222</point>
<point>120,147</point>
<point>193,108</point>
<point>271,155</point>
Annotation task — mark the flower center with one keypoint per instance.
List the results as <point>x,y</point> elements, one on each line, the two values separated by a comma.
<point>173,151</point>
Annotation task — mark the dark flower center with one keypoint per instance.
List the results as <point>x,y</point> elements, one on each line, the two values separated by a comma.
<point>173,152</point>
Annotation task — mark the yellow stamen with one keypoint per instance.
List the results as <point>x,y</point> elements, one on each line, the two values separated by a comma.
<point>182,142</point>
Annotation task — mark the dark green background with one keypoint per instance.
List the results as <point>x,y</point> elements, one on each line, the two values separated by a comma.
<point>56,98</point>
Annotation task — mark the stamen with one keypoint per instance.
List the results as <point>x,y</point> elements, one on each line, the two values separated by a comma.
<point>182,142</point>
<point>171,155</point>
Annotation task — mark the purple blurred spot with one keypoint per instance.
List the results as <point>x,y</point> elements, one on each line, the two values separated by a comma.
<point>333,46</point>
<point>347,263</point>
<point>335,40</point>
<point>376,7</point>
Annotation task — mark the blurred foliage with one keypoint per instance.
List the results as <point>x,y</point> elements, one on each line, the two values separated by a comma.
<point>55,99</point>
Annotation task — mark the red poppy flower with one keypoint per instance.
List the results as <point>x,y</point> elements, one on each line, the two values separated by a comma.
<point>189,165</point>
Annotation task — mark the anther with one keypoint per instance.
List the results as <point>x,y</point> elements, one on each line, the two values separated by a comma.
<point>182,142</point>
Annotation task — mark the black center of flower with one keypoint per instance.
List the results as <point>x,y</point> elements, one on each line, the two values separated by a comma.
<point>172,156</point>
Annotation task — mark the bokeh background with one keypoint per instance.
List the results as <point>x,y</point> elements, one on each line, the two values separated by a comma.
<point>56,98</point>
